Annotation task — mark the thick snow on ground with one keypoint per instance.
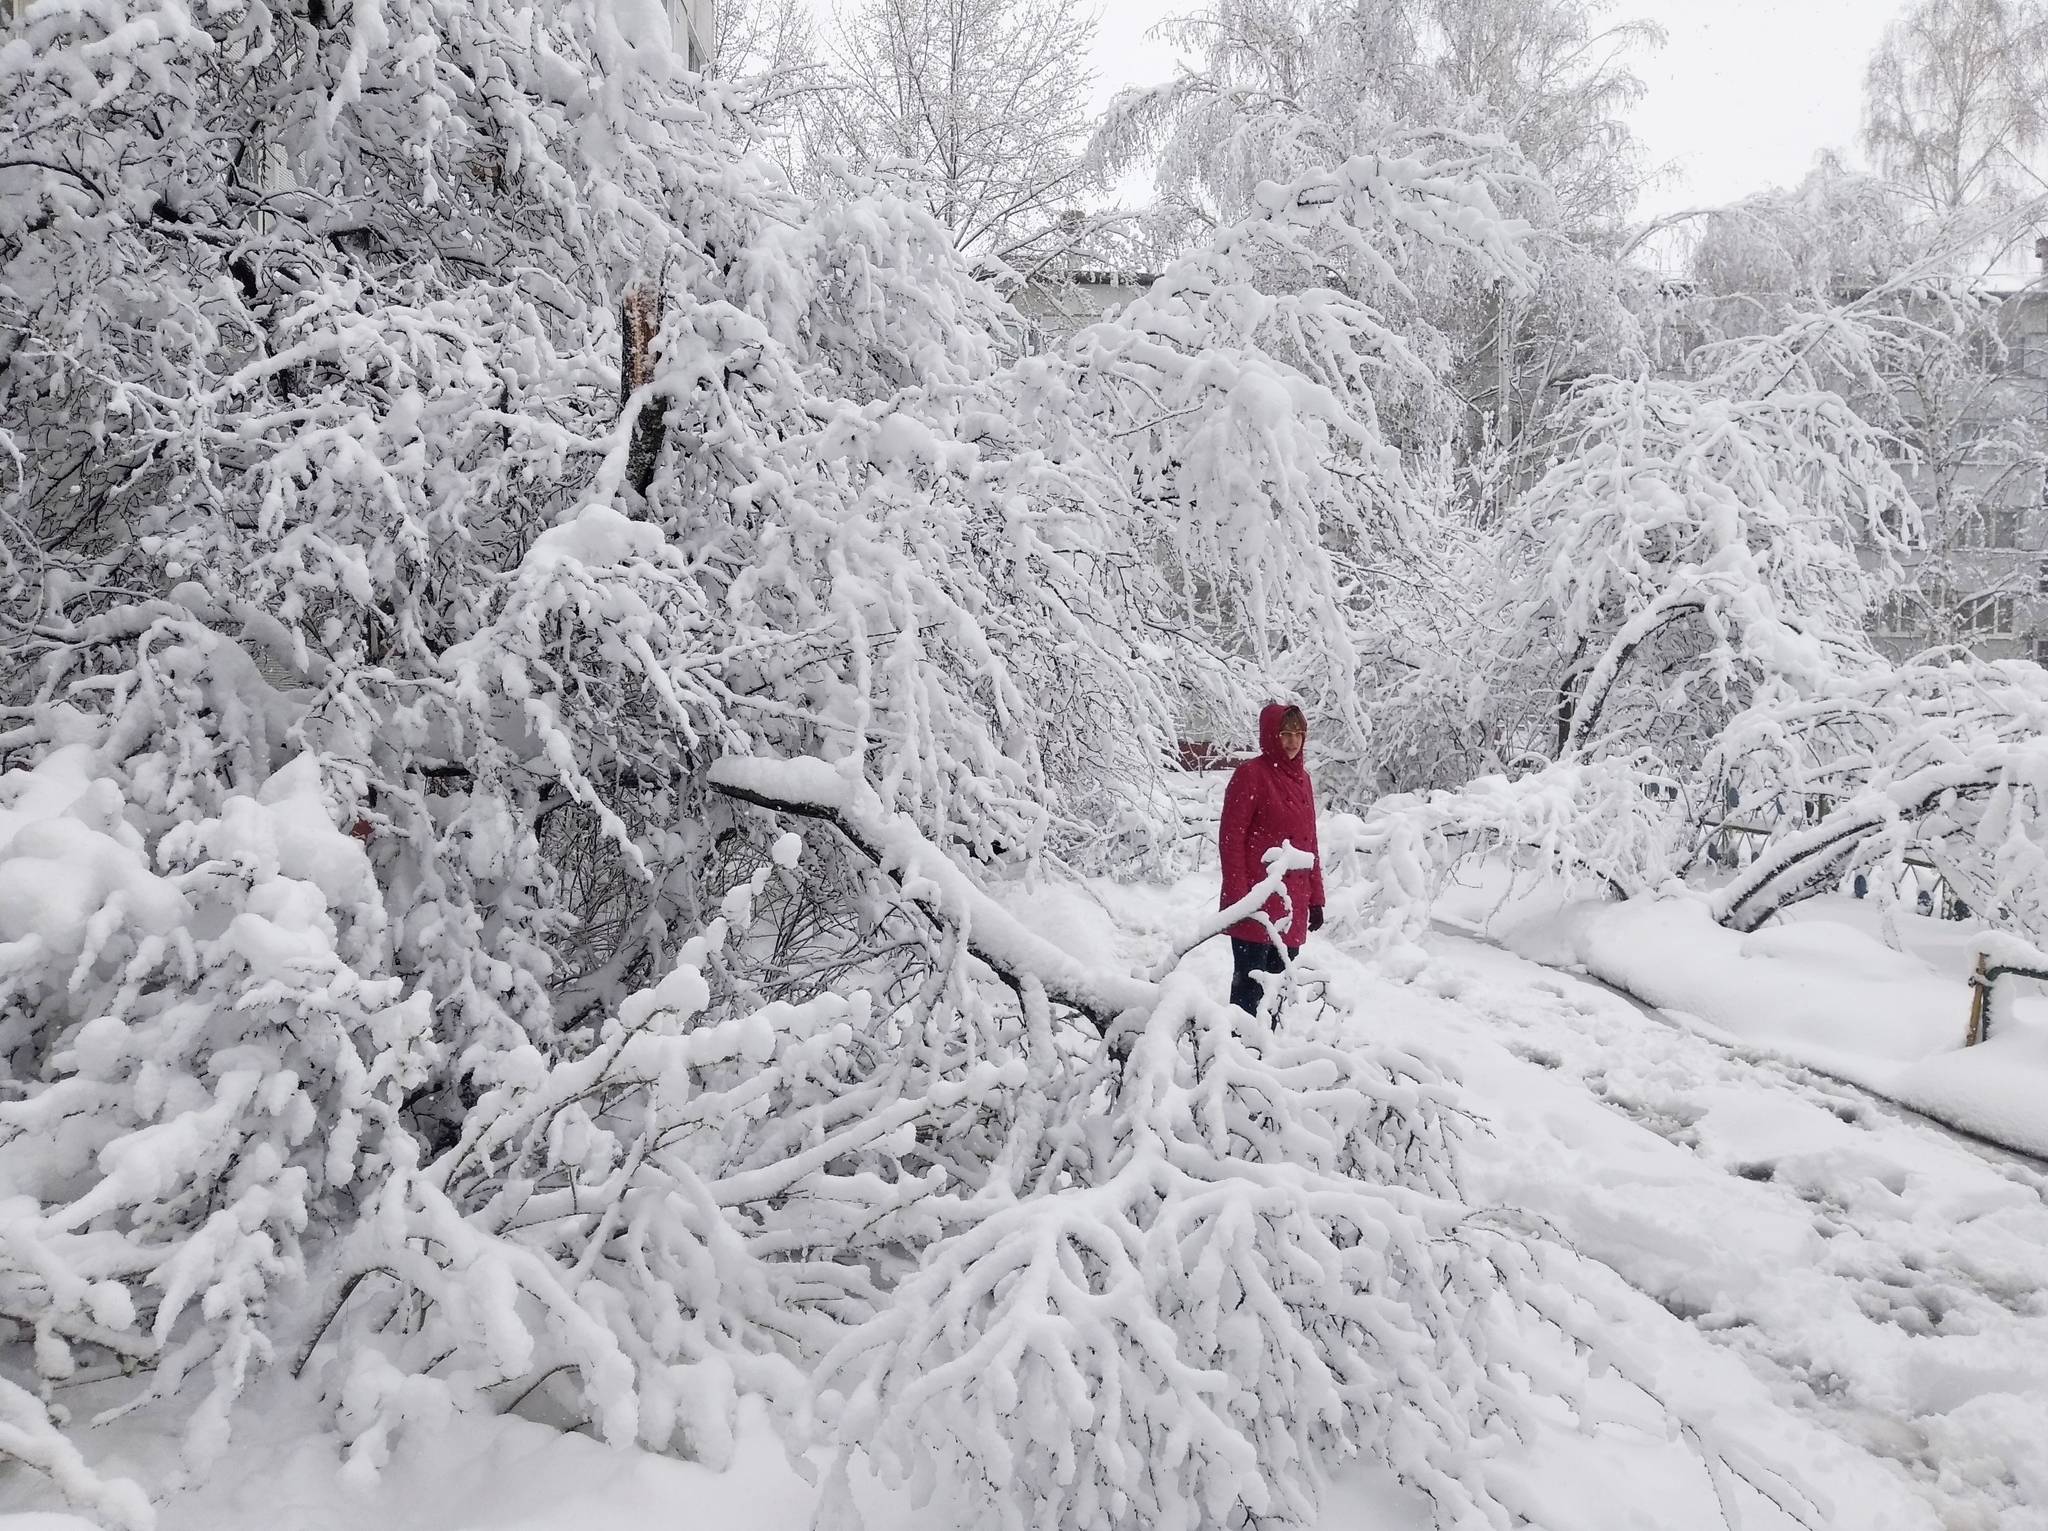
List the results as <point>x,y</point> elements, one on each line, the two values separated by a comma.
<point>1850,1290</point>
<point>1826,988</point>
<point>511,1474</point>
<point>1847,1304</point>
<point>1880,1281</point>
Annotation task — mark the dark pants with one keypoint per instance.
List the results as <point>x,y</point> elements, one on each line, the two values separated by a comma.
<point>1248,958</point>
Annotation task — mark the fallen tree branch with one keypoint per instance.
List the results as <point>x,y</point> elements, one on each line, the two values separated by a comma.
<point>1280,860</point>
<point>931,880</point>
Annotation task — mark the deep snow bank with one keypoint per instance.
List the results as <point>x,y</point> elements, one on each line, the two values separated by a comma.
<point>1825,993</point>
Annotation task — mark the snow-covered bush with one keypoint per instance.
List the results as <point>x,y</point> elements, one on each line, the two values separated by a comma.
<point>1189,1287</point>
<point>205,1064</point>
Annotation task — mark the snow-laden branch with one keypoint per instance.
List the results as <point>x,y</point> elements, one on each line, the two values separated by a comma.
<point>1943,762</point>
<point>1280,860</point>
<point>1926,764</point>
<point>1262,1260</point>
<point>1609,825</point>
<point>930,879</point>
<point>28,1436</point>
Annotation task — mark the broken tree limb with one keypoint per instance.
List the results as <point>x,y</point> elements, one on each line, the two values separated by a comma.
<point>639,324</point>
<point>1280,860</point>
<point>931,880</point>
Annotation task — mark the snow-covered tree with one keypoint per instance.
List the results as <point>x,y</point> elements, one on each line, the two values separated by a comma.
<point>1844,255</point>
<point>981,104</point>
<point>1254,402</point>
<point>1536,93</point>
<point>768,50</point>
<point>1702,547</point>
<point>1952,100</point>
<point>1282,85</point>
<point>435,448</point>
<point>430,441</point>
<point>1699,547</point>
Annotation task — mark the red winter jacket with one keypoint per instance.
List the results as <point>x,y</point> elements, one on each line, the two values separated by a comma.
<point>1269,800</point>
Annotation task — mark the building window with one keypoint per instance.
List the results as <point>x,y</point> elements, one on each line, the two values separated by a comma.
<point>1987,355</point>
<point>1893,519</point>
<point>1985,616</point>
<point>2041,652</point>
<point>2041,578</point>
<point>1989,526</point>
<point>1903,614</point>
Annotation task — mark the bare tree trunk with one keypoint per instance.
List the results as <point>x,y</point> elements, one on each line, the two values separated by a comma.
<point>639,323</point>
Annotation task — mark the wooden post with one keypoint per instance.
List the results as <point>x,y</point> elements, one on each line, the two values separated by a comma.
<point>1979,990</point>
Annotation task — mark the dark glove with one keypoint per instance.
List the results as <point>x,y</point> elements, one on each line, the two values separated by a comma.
<point>1315,916</point>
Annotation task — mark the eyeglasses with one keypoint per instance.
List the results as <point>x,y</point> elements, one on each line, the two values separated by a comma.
<point>1294,733</point>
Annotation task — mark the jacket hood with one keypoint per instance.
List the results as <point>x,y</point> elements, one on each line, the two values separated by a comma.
<point>1269,737</point>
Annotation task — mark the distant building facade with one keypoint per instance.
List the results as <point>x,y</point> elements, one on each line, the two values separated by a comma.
<point>696,29</point>
<point>1977,567</point>
<point>1056,306</point>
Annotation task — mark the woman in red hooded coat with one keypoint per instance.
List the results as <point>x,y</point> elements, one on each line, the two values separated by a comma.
<point>1269,800</point>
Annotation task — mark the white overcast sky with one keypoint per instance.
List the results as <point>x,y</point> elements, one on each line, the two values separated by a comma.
<point>1741,97</point>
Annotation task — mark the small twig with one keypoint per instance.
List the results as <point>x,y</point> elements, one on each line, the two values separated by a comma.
<point>566,1366</point>
<point>348,1290</point>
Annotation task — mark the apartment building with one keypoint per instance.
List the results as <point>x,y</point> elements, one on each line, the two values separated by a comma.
<point>1978,564</point>
<point>696,30</point>
<point>1055,305</point>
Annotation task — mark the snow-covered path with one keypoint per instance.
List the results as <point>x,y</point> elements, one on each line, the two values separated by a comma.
<point>1885,1280</point>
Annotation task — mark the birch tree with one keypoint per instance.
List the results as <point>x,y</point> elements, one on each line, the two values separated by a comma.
<point>981,103</point>
<point>1953,101</point>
